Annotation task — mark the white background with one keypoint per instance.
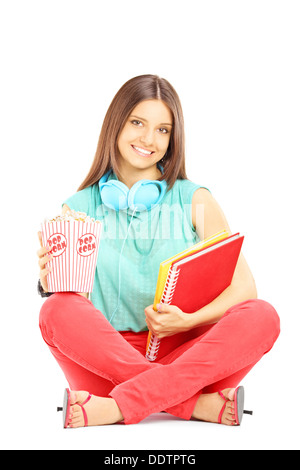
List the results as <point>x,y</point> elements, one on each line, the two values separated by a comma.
<point>235,66</point>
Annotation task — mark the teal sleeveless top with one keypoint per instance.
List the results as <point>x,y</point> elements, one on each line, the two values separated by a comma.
<point>131,249</point>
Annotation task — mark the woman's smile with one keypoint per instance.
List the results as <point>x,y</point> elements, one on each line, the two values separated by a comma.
<point>142,151</point>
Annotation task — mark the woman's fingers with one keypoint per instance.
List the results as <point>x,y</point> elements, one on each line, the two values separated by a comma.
<point>44,260</point>
<point>40,238</point>
<point>42,251</point>
<point>44,273</point>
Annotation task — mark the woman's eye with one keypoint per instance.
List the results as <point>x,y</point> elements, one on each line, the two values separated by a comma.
<point>163,130</point>
<point>136,122</point>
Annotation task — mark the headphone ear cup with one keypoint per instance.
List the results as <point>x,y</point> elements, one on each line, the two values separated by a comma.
<point>114,194</point>
<point>146,194</point>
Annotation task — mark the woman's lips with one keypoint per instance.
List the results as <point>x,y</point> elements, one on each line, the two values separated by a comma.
<point>141,151</point>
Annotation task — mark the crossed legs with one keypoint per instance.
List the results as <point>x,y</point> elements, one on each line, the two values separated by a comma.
<point>96,358</point>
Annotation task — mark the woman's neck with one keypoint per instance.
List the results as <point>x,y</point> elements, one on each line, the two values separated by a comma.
<point>136,174</point>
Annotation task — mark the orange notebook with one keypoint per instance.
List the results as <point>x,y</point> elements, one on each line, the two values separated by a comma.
<point>196,280</point>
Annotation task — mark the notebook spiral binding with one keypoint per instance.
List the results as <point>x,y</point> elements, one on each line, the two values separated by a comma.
<point>167,296</point>
<point>153,348</point>
<point>170,286</point>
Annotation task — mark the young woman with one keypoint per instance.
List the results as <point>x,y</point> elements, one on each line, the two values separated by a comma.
<point>138,187</point>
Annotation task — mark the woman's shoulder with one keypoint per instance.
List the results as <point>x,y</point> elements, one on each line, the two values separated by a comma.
<point>186,189</point>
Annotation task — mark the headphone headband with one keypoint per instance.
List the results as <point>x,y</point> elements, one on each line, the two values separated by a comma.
<point>144,194</point>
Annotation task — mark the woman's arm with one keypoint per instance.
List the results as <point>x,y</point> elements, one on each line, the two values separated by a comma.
<point>208,218</point>
<point>167,320</point>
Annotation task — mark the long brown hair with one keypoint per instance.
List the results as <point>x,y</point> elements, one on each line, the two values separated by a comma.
<point>143,87</point>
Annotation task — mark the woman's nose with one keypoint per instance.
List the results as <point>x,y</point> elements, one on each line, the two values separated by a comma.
<point>147,137</point>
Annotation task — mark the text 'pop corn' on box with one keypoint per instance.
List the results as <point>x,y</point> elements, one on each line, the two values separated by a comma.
<point>74,241</point>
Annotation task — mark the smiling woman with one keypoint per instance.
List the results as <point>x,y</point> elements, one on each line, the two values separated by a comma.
<point>143,142</point>
<point>136,179</point>
<point>132,113</point>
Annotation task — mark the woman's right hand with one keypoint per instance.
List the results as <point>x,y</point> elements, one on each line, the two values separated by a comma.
<point>44,257</point>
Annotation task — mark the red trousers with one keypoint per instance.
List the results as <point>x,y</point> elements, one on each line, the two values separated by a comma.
<point>97,358</point>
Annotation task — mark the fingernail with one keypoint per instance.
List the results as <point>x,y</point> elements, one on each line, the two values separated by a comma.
<point>158,306</point>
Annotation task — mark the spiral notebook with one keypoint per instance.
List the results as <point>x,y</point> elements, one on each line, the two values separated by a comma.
<point>195,280</point>
<point>165,265</point>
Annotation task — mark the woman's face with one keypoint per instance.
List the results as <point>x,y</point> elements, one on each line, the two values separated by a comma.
<point>145,137</point>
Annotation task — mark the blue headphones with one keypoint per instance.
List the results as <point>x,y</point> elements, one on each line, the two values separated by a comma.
<point>144,194</point>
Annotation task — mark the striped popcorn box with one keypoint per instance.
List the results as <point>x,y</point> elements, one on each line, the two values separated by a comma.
<point>74,241</point>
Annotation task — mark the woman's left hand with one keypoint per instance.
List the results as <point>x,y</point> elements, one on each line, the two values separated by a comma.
<point>167,320</point>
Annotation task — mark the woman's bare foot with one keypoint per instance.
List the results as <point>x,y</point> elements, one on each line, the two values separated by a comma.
<point>99,410</point>
<point>208,407</point>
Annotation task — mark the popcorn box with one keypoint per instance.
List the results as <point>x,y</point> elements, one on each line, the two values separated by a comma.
<point>74,241</point>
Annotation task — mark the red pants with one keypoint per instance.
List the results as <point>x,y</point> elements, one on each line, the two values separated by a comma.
<point>97,358</point>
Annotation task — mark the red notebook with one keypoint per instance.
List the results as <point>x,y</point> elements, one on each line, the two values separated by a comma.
<point>198,279</point>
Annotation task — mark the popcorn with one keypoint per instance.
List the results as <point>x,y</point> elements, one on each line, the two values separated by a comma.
<point>74,239</point>
<point>73,215</point>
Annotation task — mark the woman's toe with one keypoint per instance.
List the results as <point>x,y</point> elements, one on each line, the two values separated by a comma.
<point>230,394</point>
<point>73,397</point>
